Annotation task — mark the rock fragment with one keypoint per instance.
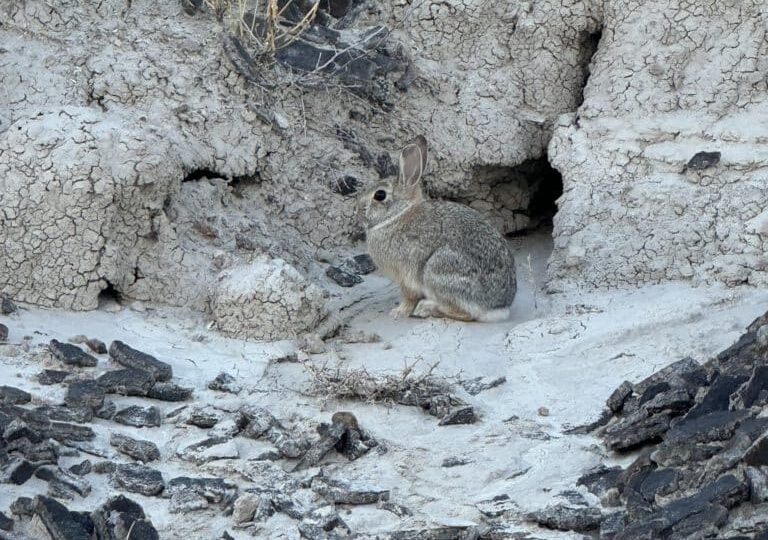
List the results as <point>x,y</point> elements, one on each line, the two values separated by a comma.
<point>212,491</point>
<point>48,377</point>
<point>84,395</point>
<point>10,395</point>
<point>138,416</point>
<point>224,382</point>
<point>461,415</point>
<point>342,277</point>
<point>120,518</point>
<point>71,355</point>
<point>126,382</point>
<point>567,518</point>
<point>60,523</point>
<point>131,358</point>
<point>140,450</point>
<point>337,491</point>
<point>7,305</point>
<point>168,391</point>
<point>3,333</point>
<point>138,478</point>
<point>62,483</point>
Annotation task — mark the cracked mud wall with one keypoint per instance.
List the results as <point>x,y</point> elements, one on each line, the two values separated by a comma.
<point>106,108</point>
<point>670,79</point>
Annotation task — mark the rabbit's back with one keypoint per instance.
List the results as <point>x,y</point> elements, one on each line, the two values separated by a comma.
<point>449,249</point>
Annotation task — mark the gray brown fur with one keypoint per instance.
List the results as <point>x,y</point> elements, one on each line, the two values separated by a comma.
<point>442,253</point>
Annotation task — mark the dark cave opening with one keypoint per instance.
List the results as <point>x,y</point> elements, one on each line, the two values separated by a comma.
<point>199,174</point>
<point>523,197</point>
<point>544,194</point>
<point>109,294</point>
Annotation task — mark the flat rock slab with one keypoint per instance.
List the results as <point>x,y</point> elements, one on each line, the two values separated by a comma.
<point>567,518</point>
<point>84,394</point>
<point>138,478</point>
<point>144,451</point>
<point>126,382</point>
<point>71,355</point>
<point>52,376</point>
<point>138,416</point>
<point>337,491</point>
<point>168,391</point>
<point>10,395</point>
<point>132,358</point>
<point>60,523</point>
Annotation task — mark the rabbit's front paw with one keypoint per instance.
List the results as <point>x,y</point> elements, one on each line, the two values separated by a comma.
<point>402,311</point>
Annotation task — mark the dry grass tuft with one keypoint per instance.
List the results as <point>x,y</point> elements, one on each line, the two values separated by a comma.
<point>269,31</point>
<point>407,387</point>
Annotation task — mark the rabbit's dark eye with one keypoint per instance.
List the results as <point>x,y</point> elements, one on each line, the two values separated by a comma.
<point>380,195</point>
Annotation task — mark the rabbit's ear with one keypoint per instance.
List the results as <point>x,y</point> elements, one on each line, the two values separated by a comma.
<point>413,161</point>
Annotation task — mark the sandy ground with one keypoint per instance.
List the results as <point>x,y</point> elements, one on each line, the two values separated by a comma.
<point>565,353</point>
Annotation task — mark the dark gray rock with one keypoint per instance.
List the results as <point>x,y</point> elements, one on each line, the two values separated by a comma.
<point>120,518</point>
<point>144,451</point>
<point>132,358</point>
<point>23,507</point>
<point>62,483</point>
<point>126,382</point>
<point>329,438</point>
<point>168,391</point>
<point>51,376</point>
<point>16,470</point>
<point>757,455</point>
<point>97,346</point>
<point>612,524</point>
<point>703,160</point>
<point>481,384</point>
<point>342,277</point>
<point>633,432</point>
<point>204,418</point>
<point>224,382</point>
<point>60,523</point>
<point>360,264</point>
<point>3,333</point>
<point>7,306</point>
<point>104,467</point>
<point>44,452</point>
<point>107,411</point>
<point>337,491</point>
<point>214,490</point>
<point>138,478</point>
<point>10,395</point>
<point>77,414</point>
<point>567,518</point>
<point>718,396</point>
<point>259,421</point>
<point>210,449</point>
<point>138,416</point>
<point>71,355</point>
<point>6,523</point>
<point>462,415</point>
<point>659,482</point>
<point>325,523</point>
<point>84,395</point>
<point>703,524</point>
<point>455,462</point>
<point>755,390</point>
<point>600,479</point>
<point>713,426</point>
<point>81,469</point>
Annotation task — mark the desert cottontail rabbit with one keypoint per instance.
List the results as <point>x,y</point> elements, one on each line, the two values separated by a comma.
<point>446,257</point>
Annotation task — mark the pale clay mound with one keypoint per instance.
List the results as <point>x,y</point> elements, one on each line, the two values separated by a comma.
<point>107,107</point>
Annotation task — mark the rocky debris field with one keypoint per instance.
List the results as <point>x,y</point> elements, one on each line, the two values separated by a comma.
<point>701,435</point>
<point>101,440</point>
